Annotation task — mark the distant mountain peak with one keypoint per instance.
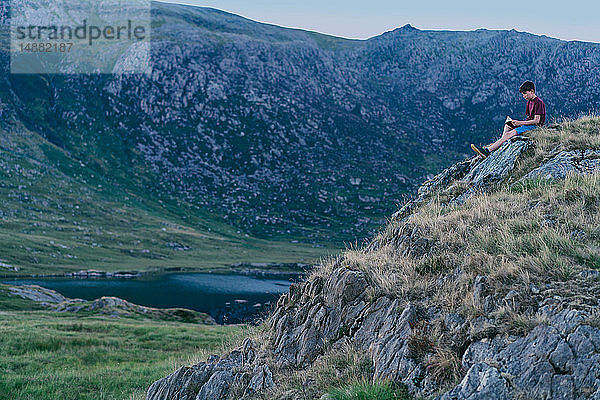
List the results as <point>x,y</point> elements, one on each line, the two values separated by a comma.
<point>406,28</point>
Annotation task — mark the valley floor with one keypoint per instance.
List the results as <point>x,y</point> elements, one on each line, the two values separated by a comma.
<point>49,355</point>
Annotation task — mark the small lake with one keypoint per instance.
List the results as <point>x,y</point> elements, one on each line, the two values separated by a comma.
<point>228,299</point>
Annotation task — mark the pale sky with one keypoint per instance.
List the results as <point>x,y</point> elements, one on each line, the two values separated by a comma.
<point>565,19</point>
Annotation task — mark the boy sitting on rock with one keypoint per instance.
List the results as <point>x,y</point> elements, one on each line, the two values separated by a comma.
<point>536,116</point>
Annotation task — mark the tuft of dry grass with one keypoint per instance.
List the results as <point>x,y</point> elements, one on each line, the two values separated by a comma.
<point>445,366</point>
<point>420,341</point>
<point>333,370</point>
<point>514,322</point>
<point>535,234</point>
<point>594,319</point>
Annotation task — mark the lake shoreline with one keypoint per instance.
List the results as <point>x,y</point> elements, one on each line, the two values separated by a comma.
<point>233,297</point>
<point>264,270</point>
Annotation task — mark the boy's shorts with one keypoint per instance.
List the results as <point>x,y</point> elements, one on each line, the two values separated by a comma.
<point>524,128</point>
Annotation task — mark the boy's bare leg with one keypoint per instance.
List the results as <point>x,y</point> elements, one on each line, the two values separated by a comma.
<point>505,136</point>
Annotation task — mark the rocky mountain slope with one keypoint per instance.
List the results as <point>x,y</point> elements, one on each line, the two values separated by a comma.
<point>485,286</point>
<point>285,132</point>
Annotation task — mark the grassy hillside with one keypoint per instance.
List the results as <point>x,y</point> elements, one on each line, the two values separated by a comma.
<point>57,215</point>
<point>47,355</point>
<point>537,232</point>
<point>522,236</point>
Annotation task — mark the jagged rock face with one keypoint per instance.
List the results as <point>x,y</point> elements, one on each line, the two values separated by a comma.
<point>217,378</point>
<point>560,360</point>
<point>567,162</point>
<point>556,361</point>
<point>305,320</point>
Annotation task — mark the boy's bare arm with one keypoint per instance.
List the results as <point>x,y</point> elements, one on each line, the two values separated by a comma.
<point>534,121</point>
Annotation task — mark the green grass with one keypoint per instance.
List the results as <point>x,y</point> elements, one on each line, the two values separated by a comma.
<point>45,355</point>
<point>369,391</point>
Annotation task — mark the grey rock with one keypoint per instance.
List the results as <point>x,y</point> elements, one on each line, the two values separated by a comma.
<point>476,174</point>
<point>453,321</point>
<point>37,293</point>
<point>302,332</point>
<point>482,382</point>
<point>343,287</point>
<point>215,378</point>
<point>184,384</point>
<point>590,274</point>
<point>567,320</point>
<point>445,178</point>
<point>481,351</point>
<point>549,362</point>
<point>493,169</point>
<point>217,387</point>
<point>561,357</point>
<point>567,162</point>
<point>436,184</point>
<point>563,387</point>
<point>9,267</point>
<point>584,340</point>
<point>262,379</point>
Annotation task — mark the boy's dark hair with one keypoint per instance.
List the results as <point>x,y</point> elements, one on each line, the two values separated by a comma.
<point>527,86</point>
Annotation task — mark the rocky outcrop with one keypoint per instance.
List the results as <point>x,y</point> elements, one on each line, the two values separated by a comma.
<point>37,293</point>
<point>112,306</point>
<point>9,267</point>
<point>493,169</point>
<point>240,372</point>
<point>467,178</point>
<point>567,162</point>
<point>555,356</point>
<point>117,307</point>
<point>558,359</point>
<point>312,316</point>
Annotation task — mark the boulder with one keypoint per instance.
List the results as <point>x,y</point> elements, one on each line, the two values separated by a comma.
<point>37,293</point>
<point>217,378</point>
<point>567,162</point>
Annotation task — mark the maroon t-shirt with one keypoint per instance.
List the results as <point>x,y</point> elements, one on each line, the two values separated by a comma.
<point>536,107</point>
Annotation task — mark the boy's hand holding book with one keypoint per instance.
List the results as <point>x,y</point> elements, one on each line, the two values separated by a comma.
<point>511,123</point>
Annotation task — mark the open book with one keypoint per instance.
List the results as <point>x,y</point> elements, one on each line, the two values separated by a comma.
<point>509,123</point>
